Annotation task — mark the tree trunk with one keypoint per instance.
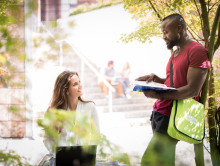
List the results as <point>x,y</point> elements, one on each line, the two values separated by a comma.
<point>210,84</point>
<point>198,149</point>
<point>215,155</point>
<point>199,154</point>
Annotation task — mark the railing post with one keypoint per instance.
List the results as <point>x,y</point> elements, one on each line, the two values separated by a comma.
<point>61,53</point>
<point>110,101</point>
<point>82,72</point>
<point>28,74</point>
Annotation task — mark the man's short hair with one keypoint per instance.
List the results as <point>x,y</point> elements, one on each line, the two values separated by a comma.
<point>176,17</point>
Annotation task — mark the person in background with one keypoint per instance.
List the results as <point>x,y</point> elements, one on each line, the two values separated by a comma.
<point>190,66</point>
<point>67,96</point>
<point>113,78</point>
<point>125,74</point>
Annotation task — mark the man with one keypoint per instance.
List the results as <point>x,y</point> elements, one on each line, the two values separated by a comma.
<point>110,74</point>
<point>190,68</point>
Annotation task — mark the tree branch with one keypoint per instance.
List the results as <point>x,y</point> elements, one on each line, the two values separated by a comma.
<point>208,4</point>
<point>205,19</point>
<point>199,13</point>
<point>211,53</point>
<point>157,13</point>
<point>213,6</point>
<point>193,36</point>
<point>217,43</point>
<point>213,33</point>
<point>190,29</point>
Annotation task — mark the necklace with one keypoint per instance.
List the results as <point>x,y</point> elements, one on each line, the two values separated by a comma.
<point>176,52</point>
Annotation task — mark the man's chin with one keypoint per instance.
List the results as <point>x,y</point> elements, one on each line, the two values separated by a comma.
<point>169,47</point>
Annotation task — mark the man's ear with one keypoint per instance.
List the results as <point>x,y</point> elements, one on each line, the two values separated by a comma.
<point>180,28</point>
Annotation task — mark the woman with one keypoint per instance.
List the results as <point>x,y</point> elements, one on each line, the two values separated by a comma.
<point>67,96</point>
<point>125,74</point>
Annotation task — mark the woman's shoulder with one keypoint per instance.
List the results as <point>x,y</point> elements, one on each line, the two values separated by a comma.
<point>88,104</point>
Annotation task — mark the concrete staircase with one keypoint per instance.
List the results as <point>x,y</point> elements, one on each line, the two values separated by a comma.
<point>137,109</point>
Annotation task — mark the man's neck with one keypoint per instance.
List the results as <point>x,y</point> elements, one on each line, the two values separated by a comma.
<point>183,44</point>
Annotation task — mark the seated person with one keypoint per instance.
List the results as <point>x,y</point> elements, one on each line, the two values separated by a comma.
<point>111,76</point>
<point>125,74</point>
<point>67,96</point>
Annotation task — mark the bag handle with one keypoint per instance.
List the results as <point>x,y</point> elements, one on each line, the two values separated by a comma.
<point>171,71</point>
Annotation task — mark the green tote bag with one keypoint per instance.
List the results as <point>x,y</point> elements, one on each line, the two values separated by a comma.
<point>187,121</point>
<point>187,118</point>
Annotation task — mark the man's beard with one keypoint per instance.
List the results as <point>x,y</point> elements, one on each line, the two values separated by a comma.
<point>173,43</point>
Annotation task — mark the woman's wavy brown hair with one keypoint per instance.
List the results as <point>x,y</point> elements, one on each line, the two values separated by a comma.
<point>59,98</point>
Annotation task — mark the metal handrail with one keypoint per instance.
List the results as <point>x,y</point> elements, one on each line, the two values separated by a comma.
<point>84,60</point>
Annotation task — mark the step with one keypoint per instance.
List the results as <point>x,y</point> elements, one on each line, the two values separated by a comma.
<point>92,89</point>
<point>119,119</point>
<point>93,96</point>
<point>77,64</point>
<point>139,122</point>
<point>126,108</point>
<point>77,68</point>
<point>134,114</point>
<point>71,55</point>
<point>89,81</point>
<point>98,95</point>
<point>138,114</point>
<point>121,101</point>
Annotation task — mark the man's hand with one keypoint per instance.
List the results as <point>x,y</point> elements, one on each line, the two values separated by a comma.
<point>151,77</point>
<point>147,78</point>
<point>152,94</point>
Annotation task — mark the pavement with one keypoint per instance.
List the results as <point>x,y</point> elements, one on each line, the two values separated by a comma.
<point>133,138</point>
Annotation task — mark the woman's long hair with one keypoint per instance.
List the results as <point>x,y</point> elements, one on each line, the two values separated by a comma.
<point>59,99</point>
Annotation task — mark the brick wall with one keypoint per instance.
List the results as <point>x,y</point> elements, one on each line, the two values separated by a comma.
<point>12,100</point>
<point>50,10</point>
<point>86,1</point>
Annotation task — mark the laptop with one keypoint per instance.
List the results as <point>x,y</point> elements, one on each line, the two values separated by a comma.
<point>76,155</point>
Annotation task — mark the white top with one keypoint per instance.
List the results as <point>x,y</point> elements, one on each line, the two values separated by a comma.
<point>85,108</point>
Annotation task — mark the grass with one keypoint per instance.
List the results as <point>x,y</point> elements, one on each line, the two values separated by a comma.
<point>90,7</point>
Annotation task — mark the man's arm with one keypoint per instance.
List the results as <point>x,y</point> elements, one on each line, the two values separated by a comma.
<point>195,80</point>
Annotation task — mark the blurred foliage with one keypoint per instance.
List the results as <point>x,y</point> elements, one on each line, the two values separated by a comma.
<point>11,39</point>
<point>55,122</point>
<point>85,7</point>
<point>216,96</point>
<point>11,53</point>
<point>217,81</point>
<point>50,38</point>
<point>150,13</point>
<point>10,158</point>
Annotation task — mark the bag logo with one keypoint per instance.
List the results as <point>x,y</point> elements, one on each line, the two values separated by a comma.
<point>191,119</point>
